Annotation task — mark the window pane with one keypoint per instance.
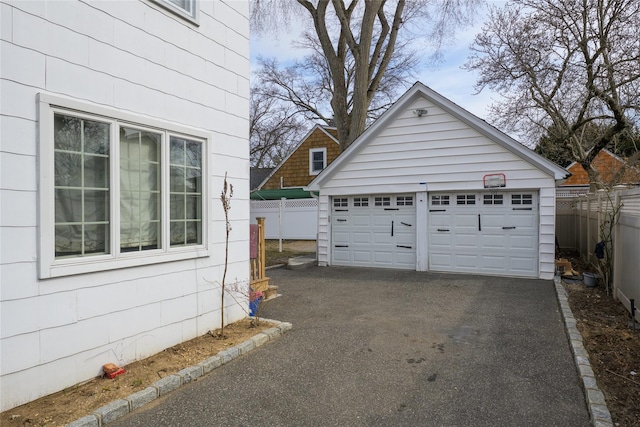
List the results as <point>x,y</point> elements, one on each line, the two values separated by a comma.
<point>186,5</point>
<point>140,184</point>
<point>96,172</point>
<point>177,151</point>
<point>96,239</point>
<point>96,206</point>
<point>194,181</point>
<point>177,206</point>
<point>185,201</point>
<point>177,233</point>
<point>193,207</point>
<point>194,232</point>
<point>68,168</point>
<point>68,240</point>
<point>81,163</point>
<point>68,206</point>
<point>177,178</point>
<point>96,137</point>
<point>67,131</point>
<point>193,153</point>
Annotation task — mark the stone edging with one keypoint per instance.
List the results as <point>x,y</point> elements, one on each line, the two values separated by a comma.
<point>600,415</point>
<point>121,407</point>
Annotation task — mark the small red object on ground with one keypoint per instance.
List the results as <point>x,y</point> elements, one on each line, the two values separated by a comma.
<point>111,371</point>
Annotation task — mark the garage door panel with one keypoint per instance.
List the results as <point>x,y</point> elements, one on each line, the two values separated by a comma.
<point>363,256</point>
<point>360,220</point>
<point>440,221</point>
<point>341,238</point>
<point>466,220</point>
<point>481,237</point>
<point>440,240</point>
<point>463,240</point>
<point>440,262</point>
<point>522,242</point>
<point>382,236</point>
<point>493,241</point>
<point>361,237</point>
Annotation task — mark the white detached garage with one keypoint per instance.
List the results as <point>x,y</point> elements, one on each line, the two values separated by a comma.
<point>430,186</point>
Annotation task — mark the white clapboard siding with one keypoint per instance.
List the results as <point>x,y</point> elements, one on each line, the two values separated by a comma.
<point>139,58</point>
<point>434,153</point>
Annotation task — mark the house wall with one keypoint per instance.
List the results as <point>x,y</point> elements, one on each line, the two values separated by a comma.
<point>295,170</point>
<point>439,153</point>
<point>137,57</point>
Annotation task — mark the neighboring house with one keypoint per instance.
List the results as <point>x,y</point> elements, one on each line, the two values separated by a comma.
<point>119,122</point>
<point>289,210</point>
<point>258,175</point>
<point>613,171</point>
<point>431,187</point>
<point>315,152</point>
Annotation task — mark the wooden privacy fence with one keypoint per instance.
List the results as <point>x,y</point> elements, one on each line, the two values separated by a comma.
<point>579,225</point>
<point>259,281</point>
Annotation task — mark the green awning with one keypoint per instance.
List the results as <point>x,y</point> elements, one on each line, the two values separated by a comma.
<point>287,193</point>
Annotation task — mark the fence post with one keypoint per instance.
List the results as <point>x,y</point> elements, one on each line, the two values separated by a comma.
<point>261,248</point>
<point>615,249</point>
<point>280,219</point>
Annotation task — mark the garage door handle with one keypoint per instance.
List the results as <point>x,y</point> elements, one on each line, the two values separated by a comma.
<point>404,223</point>
<point>443,229</point>
<point>508,228</point>
<point>403,246</point>
<point>342,210</point>
<point>391,209</point>
<point>437,210</point>
<point>342,220</point>
<point>391,228</point>
<point>341,246</point>
<point>479,223</point>
<point>522,209</point>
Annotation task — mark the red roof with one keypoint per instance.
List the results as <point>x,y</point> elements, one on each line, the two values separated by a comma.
<point>609,165</point>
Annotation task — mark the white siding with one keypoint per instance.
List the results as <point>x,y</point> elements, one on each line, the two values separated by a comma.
<point>137,57</point>
<point>445,154</point>
<point>437,149</point>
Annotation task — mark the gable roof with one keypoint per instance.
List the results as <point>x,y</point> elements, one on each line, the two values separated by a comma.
<point>324,129</point>
<point>257,176</point>
<point>417,91</point>
<point>608,165</point>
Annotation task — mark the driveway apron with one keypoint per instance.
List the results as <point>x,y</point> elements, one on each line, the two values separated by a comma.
<point>372,347</point>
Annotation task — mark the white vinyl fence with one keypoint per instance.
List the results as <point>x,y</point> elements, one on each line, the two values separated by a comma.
<point>578,226</point>
<point>295,219</point>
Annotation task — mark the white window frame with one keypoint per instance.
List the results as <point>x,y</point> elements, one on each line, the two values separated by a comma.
<point>183,13</point>
<point>324,160</point>
<point>49,266</point>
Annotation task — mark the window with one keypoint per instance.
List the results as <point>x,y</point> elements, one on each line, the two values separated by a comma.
<point>521,199</point>
<point>317,160</point>
<point>340,202</point>
<point>125,191</point>
<point>439,200</point>
<point>492,199</point>
<point>185,8</point>
<point>361,201</point>
<point>382,201</point>
<point>404,201</point>
<point>465,199</point>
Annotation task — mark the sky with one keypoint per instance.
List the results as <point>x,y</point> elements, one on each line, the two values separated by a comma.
<point>447,78</point>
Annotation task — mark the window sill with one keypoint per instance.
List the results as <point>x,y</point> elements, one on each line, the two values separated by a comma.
<point>73,266</point>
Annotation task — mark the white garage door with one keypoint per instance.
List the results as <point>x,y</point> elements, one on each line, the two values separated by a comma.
<point>374,231</point>
<point>484,233</point>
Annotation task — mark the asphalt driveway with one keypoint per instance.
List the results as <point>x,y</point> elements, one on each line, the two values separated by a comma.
<point>393,348</point>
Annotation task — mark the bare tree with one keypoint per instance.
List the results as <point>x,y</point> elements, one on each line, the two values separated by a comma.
<point>358,59</point>
<point>274,128</point>
<point>567,69</point>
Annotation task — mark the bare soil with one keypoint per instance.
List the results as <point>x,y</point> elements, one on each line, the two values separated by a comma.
<point>613,347</point>
<point>61,408</point>
<point>290,249</point>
